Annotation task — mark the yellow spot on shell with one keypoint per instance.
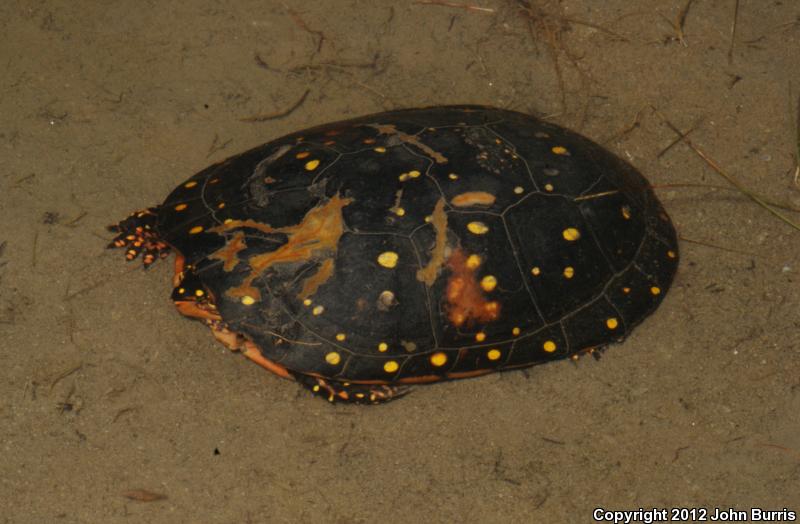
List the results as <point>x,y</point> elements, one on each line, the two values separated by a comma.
<point>388,259</point>
<point>180,207</point>
<point>340,337</point>
<point>403,177</point>
<point>391,366</point>
<point>307,302</point>
<point>439,359</point>
<point>488,283</point>
<point>655,290</point>
<point>195,230</point>
<point>515,331</point>
<point>189,185</point>
<point>478,228</point>
<point>247,300</point>
<point>571,234</point>
<point>380,149</point>
<point>414,174</point>
<point>493,354</point>
<point>399,211</point>
<point>221,205</point>
<point>302,155</point>
<point>333,358</point>
<point>671,254</point>
<point>227,221</point>
<point>311,165</point>
<point>612,323</point>
<point>199,292</point>
<point>549,346</point>
<point>480,337</point>
<point>626,212</point>
<point>383,347</point>
<point>181,290</point>
<point>548,187</point>
<point>626,290</point>
<point>560,150</point>
<point>318,310</point>
<point>535,271</point>
<point>569,272</point>
<point>473,261</point>
<point>519,190</point>
<point>452,176</point>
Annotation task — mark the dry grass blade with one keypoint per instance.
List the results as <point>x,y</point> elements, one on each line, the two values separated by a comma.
<point>717,246</point>
<point>279,114</point>
<point>678,140</point>
<point>779,205</point>
<point>733,31</point>
<point>457,6</point>
<point>142,495</point>
<point>600,28</point>
<point>797,144</point>
<point>681,22</point>
<point>789,451</point>
<point>735,183</point>
<point>595,195</point>
<point>637,122</point>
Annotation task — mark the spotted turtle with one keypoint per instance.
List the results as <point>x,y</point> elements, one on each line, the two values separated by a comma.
<point>413,246</point>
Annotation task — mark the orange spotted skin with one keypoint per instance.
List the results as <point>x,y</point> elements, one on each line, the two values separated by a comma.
<point>413,246</point>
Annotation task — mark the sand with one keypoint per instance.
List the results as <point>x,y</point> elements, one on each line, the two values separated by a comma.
<point>105,389</point>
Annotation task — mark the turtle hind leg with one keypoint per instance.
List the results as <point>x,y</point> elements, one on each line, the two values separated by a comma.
<point>335,391</point>
<point>138,234</point>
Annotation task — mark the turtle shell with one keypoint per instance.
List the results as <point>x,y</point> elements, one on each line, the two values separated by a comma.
<point>424,244</point>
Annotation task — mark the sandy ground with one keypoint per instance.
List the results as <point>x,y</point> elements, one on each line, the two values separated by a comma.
<point>106,389</point>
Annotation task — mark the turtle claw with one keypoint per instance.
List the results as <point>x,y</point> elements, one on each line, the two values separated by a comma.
<point>349,392</point>
<point>138,234</point>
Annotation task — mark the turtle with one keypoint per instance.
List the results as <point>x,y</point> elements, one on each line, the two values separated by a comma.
<point>413,246</point>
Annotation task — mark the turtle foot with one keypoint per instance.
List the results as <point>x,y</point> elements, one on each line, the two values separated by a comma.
<point>137,234</point>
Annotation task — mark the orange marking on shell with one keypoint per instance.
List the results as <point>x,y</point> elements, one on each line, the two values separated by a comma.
<point>312,283</point>
<point>429,273</point>
<point>228,252</point>
<point>390,129</point>
<point>465,301</point>
<point>316,237</point>
<point>473,198</point>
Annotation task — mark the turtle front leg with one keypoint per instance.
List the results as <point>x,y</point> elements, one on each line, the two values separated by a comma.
<point>336,391</point>
<point>138,234</point>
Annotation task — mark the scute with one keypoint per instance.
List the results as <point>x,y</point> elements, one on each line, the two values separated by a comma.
<point>423,244</point>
